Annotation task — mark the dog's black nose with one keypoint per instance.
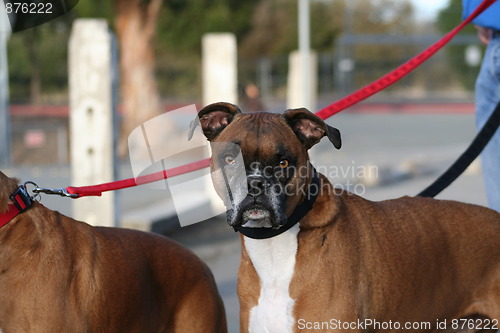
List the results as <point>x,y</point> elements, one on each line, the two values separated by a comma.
<point>256,185</point>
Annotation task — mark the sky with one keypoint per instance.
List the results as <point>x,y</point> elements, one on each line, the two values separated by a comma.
<point>428,9</point>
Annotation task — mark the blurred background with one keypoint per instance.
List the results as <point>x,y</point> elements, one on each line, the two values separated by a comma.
<point>356,42</point>
<point>410,132</point>
<point>374,35</point>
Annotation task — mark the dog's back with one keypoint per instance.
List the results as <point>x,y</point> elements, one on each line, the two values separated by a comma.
<point>61,275</point>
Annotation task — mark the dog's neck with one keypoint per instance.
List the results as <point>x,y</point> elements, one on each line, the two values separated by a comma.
<point>328,202</point>
<point>7,187</point>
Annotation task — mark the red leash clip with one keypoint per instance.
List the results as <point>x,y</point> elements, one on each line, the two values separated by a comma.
<point>58,191</point>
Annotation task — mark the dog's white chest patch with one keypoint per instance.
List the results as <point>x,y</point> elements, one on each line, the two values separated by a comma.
<point>274,261</point>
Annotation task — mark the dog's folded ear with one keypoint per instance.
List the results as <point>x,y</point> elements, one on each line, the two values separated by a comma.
<point>215,117</point>
<point>7,188</point>
<point>310,128</point>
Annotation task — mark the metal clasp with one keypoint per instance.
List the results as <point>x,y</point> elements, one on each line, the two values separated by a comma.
<point>57,191</point>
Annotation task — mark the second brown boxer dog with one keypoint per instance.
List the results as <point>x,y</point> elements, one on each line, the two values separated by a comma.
<point>58,275</point>
<point>317,259</point>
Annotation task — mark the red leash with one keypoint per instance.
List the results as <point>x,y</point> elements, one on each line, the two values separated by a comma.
<point>363,93</point>
<point>399,72</point>
<point>96,190</point>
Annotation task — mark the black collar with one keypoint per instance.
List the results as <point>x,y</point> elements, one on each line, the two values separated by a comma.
<point>300,211</point>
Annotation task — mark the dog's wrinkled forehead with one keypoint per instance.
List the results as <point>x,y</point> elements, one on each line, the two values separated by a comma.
<point>261,136</point>
<point>225,122</point>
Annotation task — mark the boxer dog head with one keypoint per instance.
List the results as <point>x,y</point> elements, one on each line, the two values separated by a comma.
<point>270,152</point>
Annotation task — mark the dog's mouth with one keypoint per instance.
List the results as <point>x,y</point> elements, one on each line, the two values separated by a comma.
<point>257,217</point>
<point>257,212</point>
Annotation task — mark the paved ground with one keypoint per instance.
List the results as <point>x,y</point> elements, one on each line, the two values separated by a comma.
<point>408,152</point>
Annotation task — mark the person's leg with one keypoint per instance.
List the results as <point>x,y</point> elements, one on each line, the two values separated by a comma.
<point>487,98</point>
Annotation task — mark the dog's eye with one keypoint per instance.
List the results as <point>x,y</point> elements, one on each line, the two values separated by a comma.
<point>230,160</point>
<point>284,163</point>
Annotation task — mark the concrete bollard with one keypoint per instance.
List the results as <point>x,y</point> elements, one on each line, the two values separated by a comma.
<point>220,84</point>
<point>296,96</point>
<point>5,138</point>
<point>220,73</point>
<point>93,123</point>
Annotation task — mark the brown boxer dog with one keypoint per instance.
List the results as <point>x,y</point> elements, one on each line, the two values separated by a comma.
<point>318,259</point>
<point>61,275</point>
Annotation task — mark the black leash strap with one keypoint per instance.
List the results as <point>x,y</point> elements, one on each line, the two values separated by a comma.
<point>468,156</point>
